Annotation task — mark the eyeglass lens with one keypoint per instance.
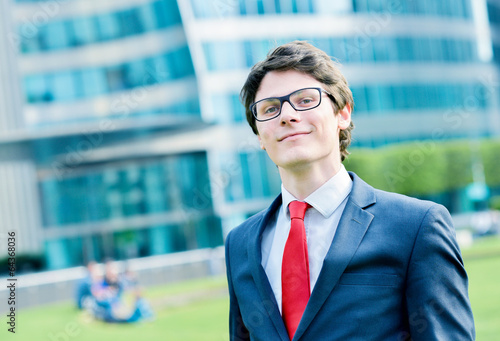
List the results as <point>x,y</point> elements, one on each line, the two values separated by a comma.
<point>303,99</point>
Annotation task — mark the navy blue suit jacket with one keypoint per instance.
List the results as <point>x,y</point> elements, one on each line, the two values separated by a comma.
<point>393,272</point>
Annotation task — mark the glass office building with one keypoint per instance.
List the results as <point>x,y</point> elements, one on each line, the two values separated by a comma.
<point>102,85</point>
<point>126,137</point>
<point>417,69</point>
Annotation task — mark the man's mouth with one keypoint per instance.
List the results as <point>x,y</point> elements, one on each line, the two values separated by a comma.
<point>292,136</point>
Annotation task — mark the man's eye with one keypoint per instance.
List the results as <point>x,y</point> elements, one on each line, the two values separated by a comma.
<point>271,110</point>
<point>306,101</point>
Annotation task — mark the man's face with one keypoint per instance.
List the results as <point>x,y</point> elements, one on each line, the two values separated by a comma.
<point>298,140</point>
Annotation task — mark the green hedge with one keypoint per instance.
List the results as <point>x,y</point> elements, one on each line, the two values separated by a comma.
<point>490,152</point>
<point>426,167</point>
<point>24,263</point>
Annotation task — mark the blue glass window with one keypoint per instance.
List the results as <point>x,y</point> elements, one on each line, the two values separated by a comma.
<point>398,94</point>
<point>130,22</point>
<point>381,50</point>
<point>221,8</point>
<point>160,71</point>
<point>269,7</point>
<point>260,7</point>
<point>353,49</point>
<point>237,54</point>
<point>135,73</point>
<point>64,86</point>
<point>286,6</point>
<point>91,29</point>
<point>444,8</point>
<point>128,190</point>
<point>323,44</point>
<point>161,10</point>
<point>225,55</point>
<point>339,49</point>
<point>55,253</point>
<point>84,83</point>
<point>147,17</point>
<point>36,88</point>
<point>374,98</point>
<point>405,49</point>
<point>260,50</point>
<point>446,47</point>
<point>236,108</point>
<point>375,5</point>
<point>172,13</point>
<point>94,82</point>
<point>85,31</point>
<point>358,93</point>
<point>493,12</point>
<point>360,5</point>
<point>417,96</point>
<point>55,35</point>
<point>180,62</point>
<point>115,77</point>
<point>365,44</point>
<point>109,27</point>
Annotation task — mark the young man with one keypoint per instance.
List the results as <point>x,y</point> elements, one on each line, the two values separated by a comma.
<point>333,258</point>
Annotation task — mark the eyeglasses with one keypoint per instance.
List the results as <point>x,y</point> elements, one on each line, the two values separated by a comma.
<point>301,100</point>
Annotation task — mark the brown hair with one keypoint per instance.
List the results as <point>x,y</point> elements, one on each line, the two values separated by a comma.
<point>303,57</point>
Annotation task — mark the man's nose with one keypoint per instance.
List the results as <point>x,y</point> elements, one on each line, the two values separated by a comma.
<point>288,113</point>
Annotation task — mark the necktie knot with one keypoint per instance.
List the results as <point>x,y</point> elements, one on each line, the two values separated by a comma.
<point>298,209</point>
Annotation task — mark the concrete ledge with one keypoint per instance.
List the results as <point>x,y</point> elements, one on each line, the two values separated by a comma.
<point>60,285</point>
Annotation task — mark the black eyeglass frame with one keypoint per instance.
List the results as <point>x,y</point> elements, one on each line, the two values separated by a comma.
<point>286,98</point>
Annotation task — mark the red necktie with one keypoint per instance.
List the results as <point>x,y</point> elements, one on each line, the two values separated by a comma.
<point>295,283</point>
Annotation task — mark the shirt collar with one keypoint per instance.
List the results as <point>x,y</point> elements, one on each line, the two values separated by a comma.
<point>328,197</point>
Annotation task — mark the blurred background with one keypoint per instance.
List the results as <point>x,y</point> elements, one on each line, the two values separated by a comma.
<point>122,135</point>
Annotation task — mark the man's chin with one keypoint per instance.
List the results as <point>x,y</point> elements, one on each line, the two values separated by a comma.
<point>295,162</point>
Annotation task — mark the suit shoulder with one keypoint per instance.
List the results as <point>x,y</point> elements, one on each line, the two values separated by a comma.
<point>367,196</point>
<point>412,207</point>
<point>401,200</point>
<point>406,215</point>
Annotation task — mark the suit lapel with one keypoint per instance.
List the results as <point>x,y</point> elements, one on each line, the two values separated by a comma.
<point>350,231</point>
<point>270,305</point>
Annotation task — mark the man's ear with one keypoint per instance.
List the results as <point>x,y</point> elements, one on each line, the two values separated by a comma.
<point>344,119</point>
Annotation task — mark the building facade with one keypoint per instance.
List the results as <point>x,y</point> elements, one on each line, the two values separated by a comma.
<point>123,136</point>
<point>94,77</point>
<point>418,70</point>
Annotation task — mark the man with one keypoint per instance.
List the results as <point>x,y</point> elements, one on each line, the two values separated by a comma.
<point>333,258</point>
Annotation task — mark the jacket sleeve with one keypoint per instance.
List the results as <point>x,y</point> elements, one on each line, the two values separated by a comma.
<point>237,329</point>
<point>436,292</point>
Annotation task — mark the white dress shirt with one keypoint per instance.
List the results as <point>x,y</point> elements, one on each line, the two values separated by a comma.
<point>320,222</point>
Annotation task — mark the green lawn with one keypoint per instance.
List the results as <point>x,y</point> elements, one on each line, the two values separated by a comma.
<point>482,263</point>
<point>198,310</point>
<point>194,310</point>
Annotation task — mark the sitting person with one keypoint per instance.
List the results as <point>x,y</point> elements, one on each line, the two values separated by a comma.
<point>83,291</point>
<point>107,302</point>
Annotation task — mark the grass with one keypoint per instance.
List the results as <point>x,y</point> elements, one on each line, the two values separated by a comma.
<point>198,310</point>
<point>193,310</point>
<point>482,262</point>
